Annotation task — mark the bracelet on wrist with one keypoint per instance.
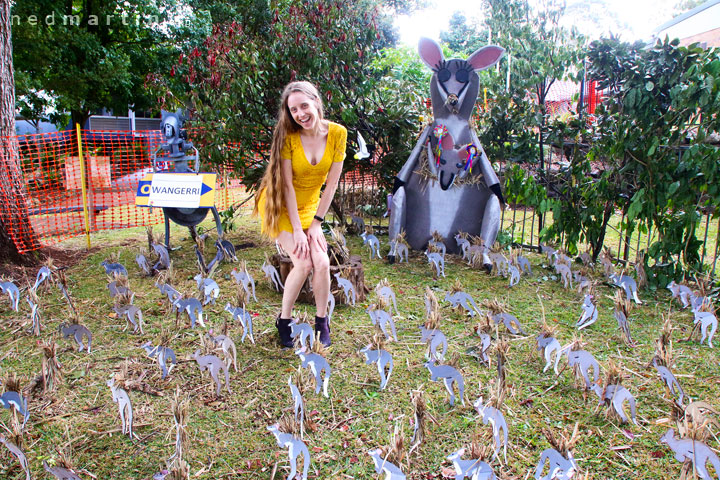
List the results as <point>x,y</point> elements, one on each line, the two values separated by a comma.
<point>319,218</point>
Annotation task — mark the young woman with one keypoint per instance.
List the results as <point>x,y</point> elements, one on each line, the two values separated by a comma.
<point>307,151</point>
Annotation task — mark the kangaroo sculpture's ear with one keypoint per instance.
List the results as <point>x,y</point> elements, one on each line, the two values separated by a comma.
<point>485,57</point>
<point>430,52</point>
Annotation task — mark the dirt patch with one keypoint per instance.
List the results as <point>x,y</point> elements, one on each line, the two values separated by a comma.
<point>62,257</point>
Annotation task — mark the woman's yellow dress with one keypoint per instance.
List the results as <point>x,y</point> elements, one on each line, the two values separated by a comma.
<point>307,179</point>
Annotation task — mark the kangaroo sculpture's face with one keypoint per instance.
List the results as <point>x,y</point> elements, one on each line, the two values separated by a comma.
<point>455,83</point>
<point>454,78</point>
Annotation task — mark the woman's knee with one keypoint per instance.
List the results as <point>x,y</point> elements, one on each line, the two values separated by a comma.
<point>321,264</point>
<point>304,266</point>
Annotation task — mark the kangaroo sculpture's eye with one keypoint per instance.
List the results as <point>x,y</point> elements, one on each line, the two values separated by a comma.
<point>462,76</point>
<point>459,165</point>
<point>443,161</point>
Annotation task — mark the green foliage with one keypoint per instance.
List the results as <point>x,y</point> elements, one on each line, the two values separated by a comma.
<point>647,157</point>
<point>539,52</point>
<point>402,64</point>
<point>582,199</point>
<point>84,56</point>
<point>521,188</point>
<point>463,37</point>
<point>227,218</point>
<point>504,126</point>
<point>42,166</point>
<point>654,128</point>
<point>504,238</point>
<point>372,210</point>
<point>542,51</point>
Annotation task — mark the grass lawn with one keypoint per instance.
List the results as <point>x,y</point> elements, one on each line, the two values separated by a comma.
<point>228,435</point>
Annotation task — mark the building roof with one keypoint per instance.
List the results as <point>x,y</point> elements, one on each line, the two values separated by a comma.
<point>686,15</point>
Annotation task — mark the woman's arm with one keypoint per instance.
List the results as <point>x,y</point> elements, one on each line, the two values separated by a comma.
<point>330,187</point>
<point>301,248</point>
<point>315,235</point>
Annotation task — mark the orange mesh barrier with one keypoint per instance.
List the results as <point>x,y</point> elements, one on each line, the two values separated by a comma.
<point>115,161</point>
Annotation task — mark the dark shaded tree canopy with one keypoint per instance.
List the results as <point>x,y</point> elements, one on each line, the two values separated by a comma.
<point>89,55</point>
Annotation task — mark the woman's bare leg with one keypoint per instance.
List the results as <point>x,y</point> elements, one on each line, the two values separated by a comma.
<point>296,277</point>
<point>321,279</point>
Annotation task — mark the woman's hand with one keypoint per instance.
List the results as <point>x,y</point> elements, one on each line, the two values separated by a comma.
<point>300,240</point>
<point>316,237</point>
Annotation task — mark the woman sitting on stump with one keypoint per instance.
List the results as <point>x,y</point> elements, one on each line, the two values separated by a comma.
<point>306,151</point>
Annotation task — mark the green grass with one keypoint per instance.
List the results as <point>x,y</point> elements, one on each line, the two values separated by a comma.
<point>228,435</point>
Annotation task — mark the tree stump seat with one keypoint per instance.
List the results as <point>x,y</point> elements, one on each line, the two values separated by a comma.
<point>352,269</point>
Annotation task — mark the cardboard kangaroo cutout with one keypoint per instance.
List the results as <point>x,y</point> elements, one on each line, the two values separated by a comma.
<point>19,454</point>
<point>694,451</point>
<point>295,448</point>
<point>461,192</point>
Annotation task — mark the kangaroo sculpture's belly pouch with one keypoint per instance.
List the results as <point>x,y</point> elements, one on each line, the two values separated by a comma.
<point>429,208</point>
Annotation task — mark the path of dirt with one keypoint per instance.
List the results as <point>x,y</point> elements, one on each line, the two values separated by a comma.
<point>61,257</point>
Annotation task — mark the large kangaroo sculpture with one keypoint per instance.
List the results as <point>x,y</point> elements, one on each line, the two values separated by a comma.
<point>463,193</point>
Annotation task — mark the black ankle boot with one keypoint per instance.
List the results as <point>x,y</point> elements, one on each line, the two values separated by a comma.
<point>283,327</point>
<point>322,326</point>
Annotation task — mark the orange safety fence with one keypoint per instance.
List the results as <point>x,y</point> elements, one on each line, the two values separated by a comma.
<point>115,161</point>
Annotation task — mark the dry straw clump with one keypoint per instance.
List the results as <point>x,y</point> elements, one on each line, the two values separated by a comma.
<point>456,287</point>
<point>180,407</point>
<point>419,416</point>
<point>495,306</point>
<point>481,447</point>
<point>695,420</point>
<point>431,303</point>
<point>484,325</point>
<point>640,270</point>
<point>240,295</point>
<point>561,442</point>
<point>63,285</point>
<point>395,452</point>
<point>51,370</point>
<point>663,345</point>
<point>378,340</point>
<point>501,352</point>
<point>433,321</point>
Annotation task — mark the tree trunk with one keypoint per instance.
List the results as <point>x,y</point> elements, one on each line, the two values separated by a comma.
<point>542,92</point>
<point>16,234</point>
<point>77,117</point>
<point>353,270</point>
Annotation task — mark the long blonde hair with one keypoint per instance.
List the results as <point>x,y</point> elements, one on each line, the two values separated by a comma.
<point>272,181</point>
